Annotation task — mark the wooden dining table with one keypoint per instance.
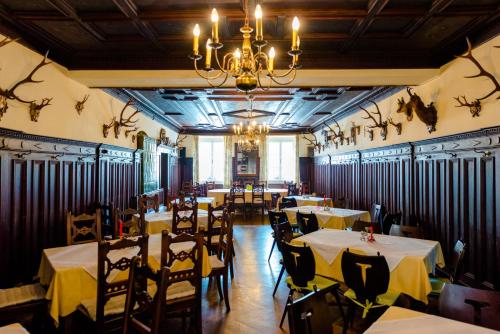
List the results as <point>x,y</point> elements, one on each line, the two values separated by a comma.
<point>70,272</point>
<point>336,218</point>
<point>397,320</point>
<point>218,194</point>
<point>159,221</point>
<point>306,200</point>
<point>410,260</point>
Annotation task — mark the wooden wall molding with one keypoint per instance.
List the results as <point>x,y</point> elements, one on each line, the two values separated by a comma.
<point>450,184</point>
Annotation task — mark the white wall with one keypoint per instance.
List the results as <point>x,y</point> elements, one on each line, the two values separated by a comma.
<point>440,90</point>
<point>60,119</point>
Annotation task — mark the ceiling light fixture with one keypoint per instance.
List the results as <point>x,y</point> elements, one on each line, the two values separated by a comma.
<point>245,65</point>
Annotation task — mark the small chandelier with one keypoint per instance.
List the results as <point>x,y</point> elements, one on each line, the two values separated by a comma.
<point>245,65</point>
<point>249,138</point>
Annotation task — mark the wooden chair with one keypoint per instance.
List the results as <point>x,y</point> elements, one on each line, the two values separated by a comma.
<point>360,225</point>
<point>184,285</point>
<point>304,188</point>
<point>474,306</point>
<point>214,223</point>
<point>275,199</point>
<point>188,221</point>
<point>187,186</point>
<point>367,278</point>
<point>405,231</point>
<point>210,185</point>
<point>389,220</point>
<point>106,314</point>
<point>129,221</point>
<point>308,222</point>
<point>341,203</point>
<point>83,228</point>
<point>221,261</point>
<point>258,198</point>
<point>143,312</point>
<point>288,202</point>
<point>292,189</point>
<point>237,196</point>
<point>26,305</point>
<point>149,203</point>
<point>377,212</point>
<point>451,272</point>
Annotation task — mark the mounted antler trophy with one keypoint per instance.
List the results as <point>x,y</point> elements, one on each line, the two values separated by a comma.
<point>125,122</point>
<point>80,105</point>
<point>355,131</point>
<point>398,126</point>
<point>10,94</point>
<point>179,140</point>
<point>339,134</point>
<point>380,124</point>
<point>475,105</point>
<point>106,127</point>
<point>315,143</point>
<point>427,114</point>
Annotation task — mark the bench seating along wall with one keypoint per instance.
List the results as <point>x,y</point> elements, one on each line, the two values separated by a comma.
<point>451,184</point>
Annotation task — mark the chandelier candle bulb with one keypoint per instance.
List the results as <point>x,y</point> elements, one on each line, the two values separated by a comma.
<point>258,23</point>
<point>237,56</point>
<point>208,59</point>
<point>196,35</point>
<point>272,54</point>
<point>215,26</point>
<point>295,32</point>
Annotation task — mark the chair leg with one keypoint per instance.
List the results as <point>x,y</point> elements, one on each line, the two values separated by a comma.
<point>231,268</point>
<point>279,280</point>
<point>199,328</point>
<point>226,291</point>
<point>286,309</point>
<point>337,298</point>
<point>217,279</point>
<point>271,252</point>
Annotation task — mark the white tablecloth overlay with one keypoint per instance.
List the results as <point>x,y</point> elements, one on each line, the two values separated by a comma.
<point>347,216</point>
<point>13,329</point>
<point>218,194</point>
<point>85,255</point>
<point>418,323</point>
<point>302,201</point>
<point>329,243</point>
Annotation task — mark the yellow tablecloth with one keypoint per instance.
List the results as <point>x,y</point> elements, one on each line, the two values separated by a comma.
<point>13,329</point>
<point>218,194</point>
<point>334,218</point>
<point>311,200</point>
<point>159,221</point>
<point>69,274</point>
<point>410,260</point>
<point>203,202</point>
<point>399,320</point>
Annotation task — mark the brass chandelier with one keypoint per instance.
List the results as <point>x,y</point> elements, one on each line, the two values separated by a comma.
<point>249,138</point>
<point>245,65</point>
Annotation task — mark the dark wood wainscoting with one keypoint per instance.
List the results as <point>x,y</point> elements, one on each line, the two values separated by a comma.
<point>450,184</point>
<point>41,179</point>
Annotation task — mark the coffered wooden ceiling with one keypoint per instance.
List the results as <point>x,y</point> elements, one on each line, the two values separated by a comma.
<point>287,109</point>
<point>156,34</point>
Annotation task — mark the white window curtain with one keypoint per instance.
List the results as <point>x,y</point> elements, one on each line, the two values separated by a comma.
<point>263,159</point>
<point>297,159</point>
<point>228,163</point>
<point>281,158</point>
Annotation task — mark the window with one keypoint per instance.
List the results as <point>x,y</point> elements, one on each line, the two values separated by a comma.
<point>281,158</point>
<point>211,159</point>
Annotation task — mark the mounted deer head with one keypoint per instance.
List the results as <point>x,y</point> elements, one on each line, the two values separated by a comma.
<point>315,143</point>
<point>125,122</point>
<point>355,130</point>
<point>106,127</point>
<point>129,131</point>
<point>80,105</point>
<point>398,126</point>
<point>427,114</point>
<point>35,108</point>
<point>475,105</point>
<point>335,134</point>
<point>10,94</point>
<point>377,124</point>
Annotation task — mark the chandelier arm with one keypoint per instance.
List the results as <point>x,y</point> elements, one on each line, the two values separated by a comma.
<point>287,73</point>
<point>206,77</point>
<point>260,83</point>
<point>288,81</point>
<point>221,68</point>
<point>220,84</point>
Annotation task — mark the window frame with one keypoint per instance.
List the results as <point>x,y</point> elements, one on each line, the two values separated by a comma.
<point>281,139</point>
<point>211,140</point>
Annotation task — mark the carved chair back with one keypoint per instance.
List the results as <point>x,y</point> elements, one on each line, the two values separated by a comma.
<point>237,195</point>
<point>139,301</point>
<point>185,217</point>
<point>258,194</point>
<point>109,259</point>
<point>83,228</point>
<point>129,220</point>
<point>149,203</point>
<point>225,246</point>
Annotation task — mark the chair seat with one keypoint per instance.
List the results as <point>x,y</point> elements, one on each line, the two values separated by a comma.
<point>215,263</point>
<point>180,290</point>
<point>388,298</point>
<point>437,284</point>
<point>184,225</point>
<point>115,305</point>
<point>21,295</point>
<point>319,281</point>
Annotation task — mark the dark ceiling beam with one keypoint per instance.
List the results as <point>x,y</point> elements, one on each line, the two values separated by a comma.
<point>130,10</point>
<point>374,8</point>
<point>68,11</point>
<point>438,6</point>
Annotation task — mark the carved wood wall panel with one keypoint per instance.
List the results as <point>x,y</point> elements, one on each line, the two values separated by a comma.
<point>41,179</point>
<point>450,184</point>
